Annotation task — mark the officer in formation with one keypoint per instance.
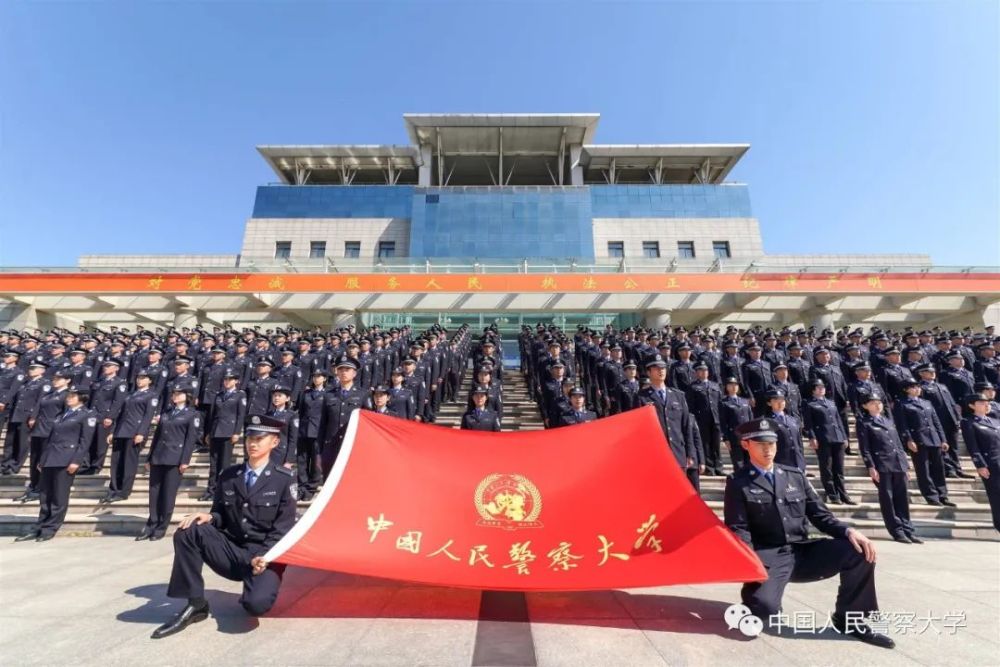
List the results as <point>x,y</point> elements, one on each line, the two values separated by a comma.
<point>769,505</point>
<point>479,416</point>
<point>177,434</point>
<point>380,403</point>
<point>824,429</point>
<point>578,412</point>
<point>921,430</point>
<point>885,457</point>
<point>63,451</point>
<point>981,432</point>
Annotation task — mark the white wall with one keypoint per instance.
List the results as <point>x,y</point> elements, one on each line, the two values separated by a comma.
<point>261,234</point>
<point>743,235</point>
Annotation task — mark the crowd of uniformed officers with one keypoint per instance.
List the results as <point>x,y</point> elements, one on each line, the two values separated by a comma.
<point>154,397</point>
<point>911,394</point>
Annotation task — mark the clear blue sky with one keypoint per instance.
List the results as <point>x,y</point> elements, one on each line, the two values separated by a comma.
<point>130,127</point>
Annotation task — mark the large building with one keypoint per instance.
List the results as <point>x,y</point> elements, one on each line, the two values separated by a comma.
<point>502,218</point>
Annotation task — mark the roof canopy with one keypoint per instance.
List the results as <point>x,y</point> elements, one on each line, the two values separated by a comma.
<point>503,149</point>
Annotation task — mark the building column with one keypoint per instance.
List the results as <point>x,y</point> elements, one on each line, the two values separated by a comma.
<point>424,170</point>
<point>824,321</point>
<point>186,317</point>
<point>991,315</point>
<point>656,319</point>
<point>344,317</point>
<point>576,171</point>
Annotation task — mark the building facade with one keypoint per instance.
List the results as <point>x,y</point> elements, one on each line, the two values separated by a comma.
<point>512,194</point>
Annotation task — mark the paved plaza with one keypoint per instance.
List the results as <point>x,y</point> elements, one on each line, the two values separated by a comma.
<point>83,601</point>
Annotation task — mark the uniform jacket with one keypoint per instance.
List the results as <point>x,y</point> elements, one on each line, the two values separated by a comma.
<point>258,517</point>
<point>229,412</point>
<point>69,439</point>
<point>768,517</point>
<point>880,445</point>
<point>176,437</point>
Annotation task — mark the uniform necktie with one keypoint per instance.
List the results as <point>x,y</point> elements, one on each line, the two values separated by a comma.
<point>663,394</point>
<point>770,477</point>
<point>251,477</point>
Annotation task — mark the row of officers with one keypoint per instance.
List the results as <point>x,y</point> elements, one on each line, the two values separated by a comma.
<point>121,420</point>
<point>698,416</point>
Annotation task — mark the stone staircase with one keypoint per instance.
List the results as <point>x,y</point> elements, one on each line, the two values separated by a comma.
<point>969,520</point>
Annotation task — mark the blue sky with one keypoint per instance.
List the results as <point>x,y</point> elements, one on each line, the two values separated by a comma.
<point>130,127</point>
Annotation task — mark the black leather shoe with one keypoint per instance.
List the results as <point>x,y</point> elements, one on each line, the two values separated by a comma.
<point>832,501</point>
<point>187,616</point>
<point>902,538</point>
<point>935,503</point>
<point>44,538</point>
<point>863,632</point>
<point>965,475</point>
<point>27,537</point>
<point>206,497</point>
<point>948,503</point>
<point>142,536</point>
<point>915,539</point>
<point>848,501</point>
<point>27,498</point>
<point>154,537</point>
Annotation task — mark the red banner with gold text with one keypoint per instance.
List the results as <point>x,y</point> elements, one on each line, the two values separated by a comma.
<point>595,506</point>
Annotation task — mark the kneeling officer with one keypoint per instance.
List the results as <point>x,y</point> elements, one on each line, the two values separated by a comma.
<point>766,506</point>
<point>253,508</point>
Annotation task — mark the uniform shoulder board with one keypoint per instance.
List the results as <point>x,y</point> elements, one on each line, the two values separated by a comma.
<point>92,422</point>
<point>284,471</point>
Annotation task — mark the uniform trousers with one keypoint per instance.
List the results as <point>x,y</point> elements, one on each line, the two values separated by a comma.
<point>16,445</point>
<point>928,463</point>
<point>163,484</point>
<point>34,456</point>
<point>831,468</point>
<point>54,486</point>
<point>950,458</point>
<point>99,447</point>
<point>220,457</point>
<point>309,465</point>
<point>992,486</point>
<point>204,544</point>
<point>894,501</point>
<point>813,561</point>
<point>711,439</point>
<point>737,454</point>
<point>124,465</point>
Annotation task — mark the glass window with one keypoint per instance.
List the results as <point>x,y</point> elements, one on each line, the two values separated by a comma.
<point>317,249</point>
<point>721,249</point>
<point>651,249</point>
<point>282,249</point>
<point>685,249</point>
<point>386,249</point>
<point>616,248</point>
<point>352,248</point>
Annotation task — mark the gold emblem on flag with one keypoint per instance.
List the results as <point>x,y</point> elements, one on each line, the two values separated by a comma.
<point>508,501</point>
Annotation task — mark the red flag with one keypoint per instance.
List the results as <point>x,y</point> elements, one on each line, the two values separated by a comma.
<point>590,507</point>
